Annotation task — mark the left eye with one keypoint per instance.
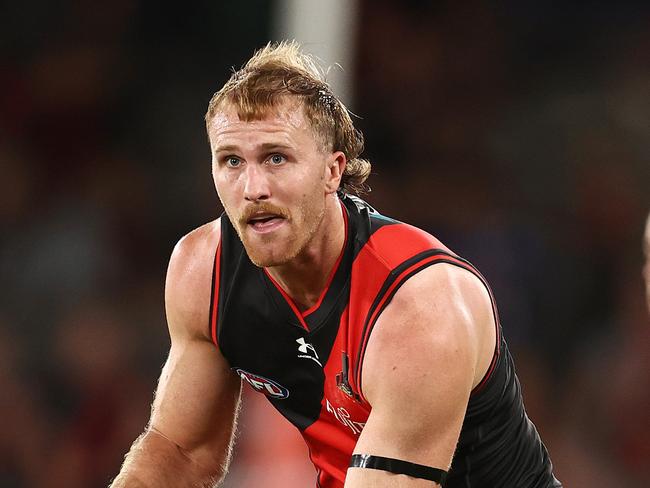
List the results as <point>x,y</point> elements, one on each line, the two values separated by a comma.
<point>276,159</point>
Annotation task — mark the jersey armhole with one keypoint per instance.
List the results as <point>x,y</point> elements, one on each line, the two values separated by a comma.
<point>497,329</point>
<point>497,348</point>
<point>214,296</point>
<point>395,280</point>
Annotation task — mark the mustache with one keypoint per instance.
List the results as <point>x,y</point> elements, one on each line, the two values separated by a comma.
<point>264,207</point>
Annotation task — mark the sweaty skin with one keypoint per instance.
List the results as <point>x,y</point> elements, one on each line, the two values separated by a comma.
<point>276,168</point>
<point>452,333</point>
<point>187,442</point>
<point>278,186</point>
<point>423,359</point>
<point>188,439</point>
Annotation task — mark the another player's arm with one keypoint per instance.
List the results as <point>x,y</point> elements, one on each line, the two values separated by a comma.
<point>187,442</point>
<point>432,344</point>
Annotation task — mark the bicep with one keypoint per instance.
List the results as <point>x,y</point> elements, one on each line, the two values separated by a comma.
<point>418,372</point>
<point>198,395</point>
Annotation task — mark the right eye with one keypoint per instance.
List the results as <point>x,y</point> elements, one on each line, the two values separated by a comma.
<point>233,162</point>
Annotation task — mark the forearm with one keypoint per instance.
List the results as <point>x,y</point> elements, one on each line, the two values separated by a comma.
<point>156,461</point>
<point>362,478</point>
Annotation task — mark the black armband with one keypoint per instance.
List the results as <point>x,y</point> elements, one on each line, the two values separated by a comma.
<point>396,466</point>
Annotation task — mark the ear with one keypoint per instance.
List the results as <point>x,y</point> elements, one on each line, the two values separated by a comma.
<point>334,171</point>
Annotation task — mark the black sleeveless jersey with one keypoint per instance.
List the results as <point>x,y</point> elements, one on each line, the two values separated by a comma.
<point>309,363</point>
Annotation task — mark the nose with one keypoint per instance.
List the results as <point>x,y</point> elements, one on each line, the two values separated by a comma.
<point>256,186</point>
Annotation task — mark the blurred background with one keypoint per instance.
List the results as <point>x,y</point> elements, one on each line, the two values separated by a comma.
<point>515,131</point>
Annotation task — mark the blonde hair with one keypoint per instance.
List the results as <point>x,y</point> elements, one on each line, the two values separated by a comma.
<point>280,70</point>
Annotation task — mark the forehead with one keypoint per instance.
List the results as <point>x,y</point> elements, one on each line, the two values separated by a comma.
<point>286,123</point>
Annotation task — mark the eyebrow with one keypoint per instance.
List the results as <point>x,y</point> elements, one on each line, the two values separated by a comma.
<point>266,146</point>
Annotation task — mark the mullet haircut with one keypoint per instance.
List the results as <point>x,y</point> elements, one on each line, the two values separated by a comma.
<point>282,70</point>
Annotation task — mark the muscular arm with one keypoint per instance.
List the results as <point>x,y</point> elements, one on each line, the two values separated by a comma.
<point>187,441</point>
<point>429,348</point>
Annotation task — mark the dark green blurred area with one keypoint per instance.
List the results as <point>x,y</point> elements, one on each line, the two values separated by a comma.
<point>516,132</point>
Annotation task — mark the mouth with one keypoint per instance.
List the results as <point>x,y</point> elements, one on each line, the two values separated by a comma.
<point>265,222</point>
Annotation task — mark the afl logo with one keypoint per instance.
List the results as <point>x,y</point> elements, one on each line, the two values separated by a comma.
<point>264,385</point>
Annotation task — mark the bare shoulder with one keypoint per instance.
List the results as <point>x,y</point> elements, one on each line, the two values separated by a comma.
<point>440,319</point>
<point>430,346</point>
<point>189,280</point>
<point>444,291</point>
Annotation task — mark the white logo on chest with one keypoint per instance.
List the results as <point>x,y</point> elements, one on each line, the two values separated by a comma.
<point>306,350</point>
<point>343,416</point>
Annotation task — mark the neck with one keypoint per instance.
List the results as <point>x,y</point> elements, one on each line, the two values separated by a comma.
<point>305,277</point>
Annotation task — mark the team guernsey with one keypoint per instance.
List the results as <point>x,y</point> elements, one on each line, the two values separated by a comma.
<point>309,364</point>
